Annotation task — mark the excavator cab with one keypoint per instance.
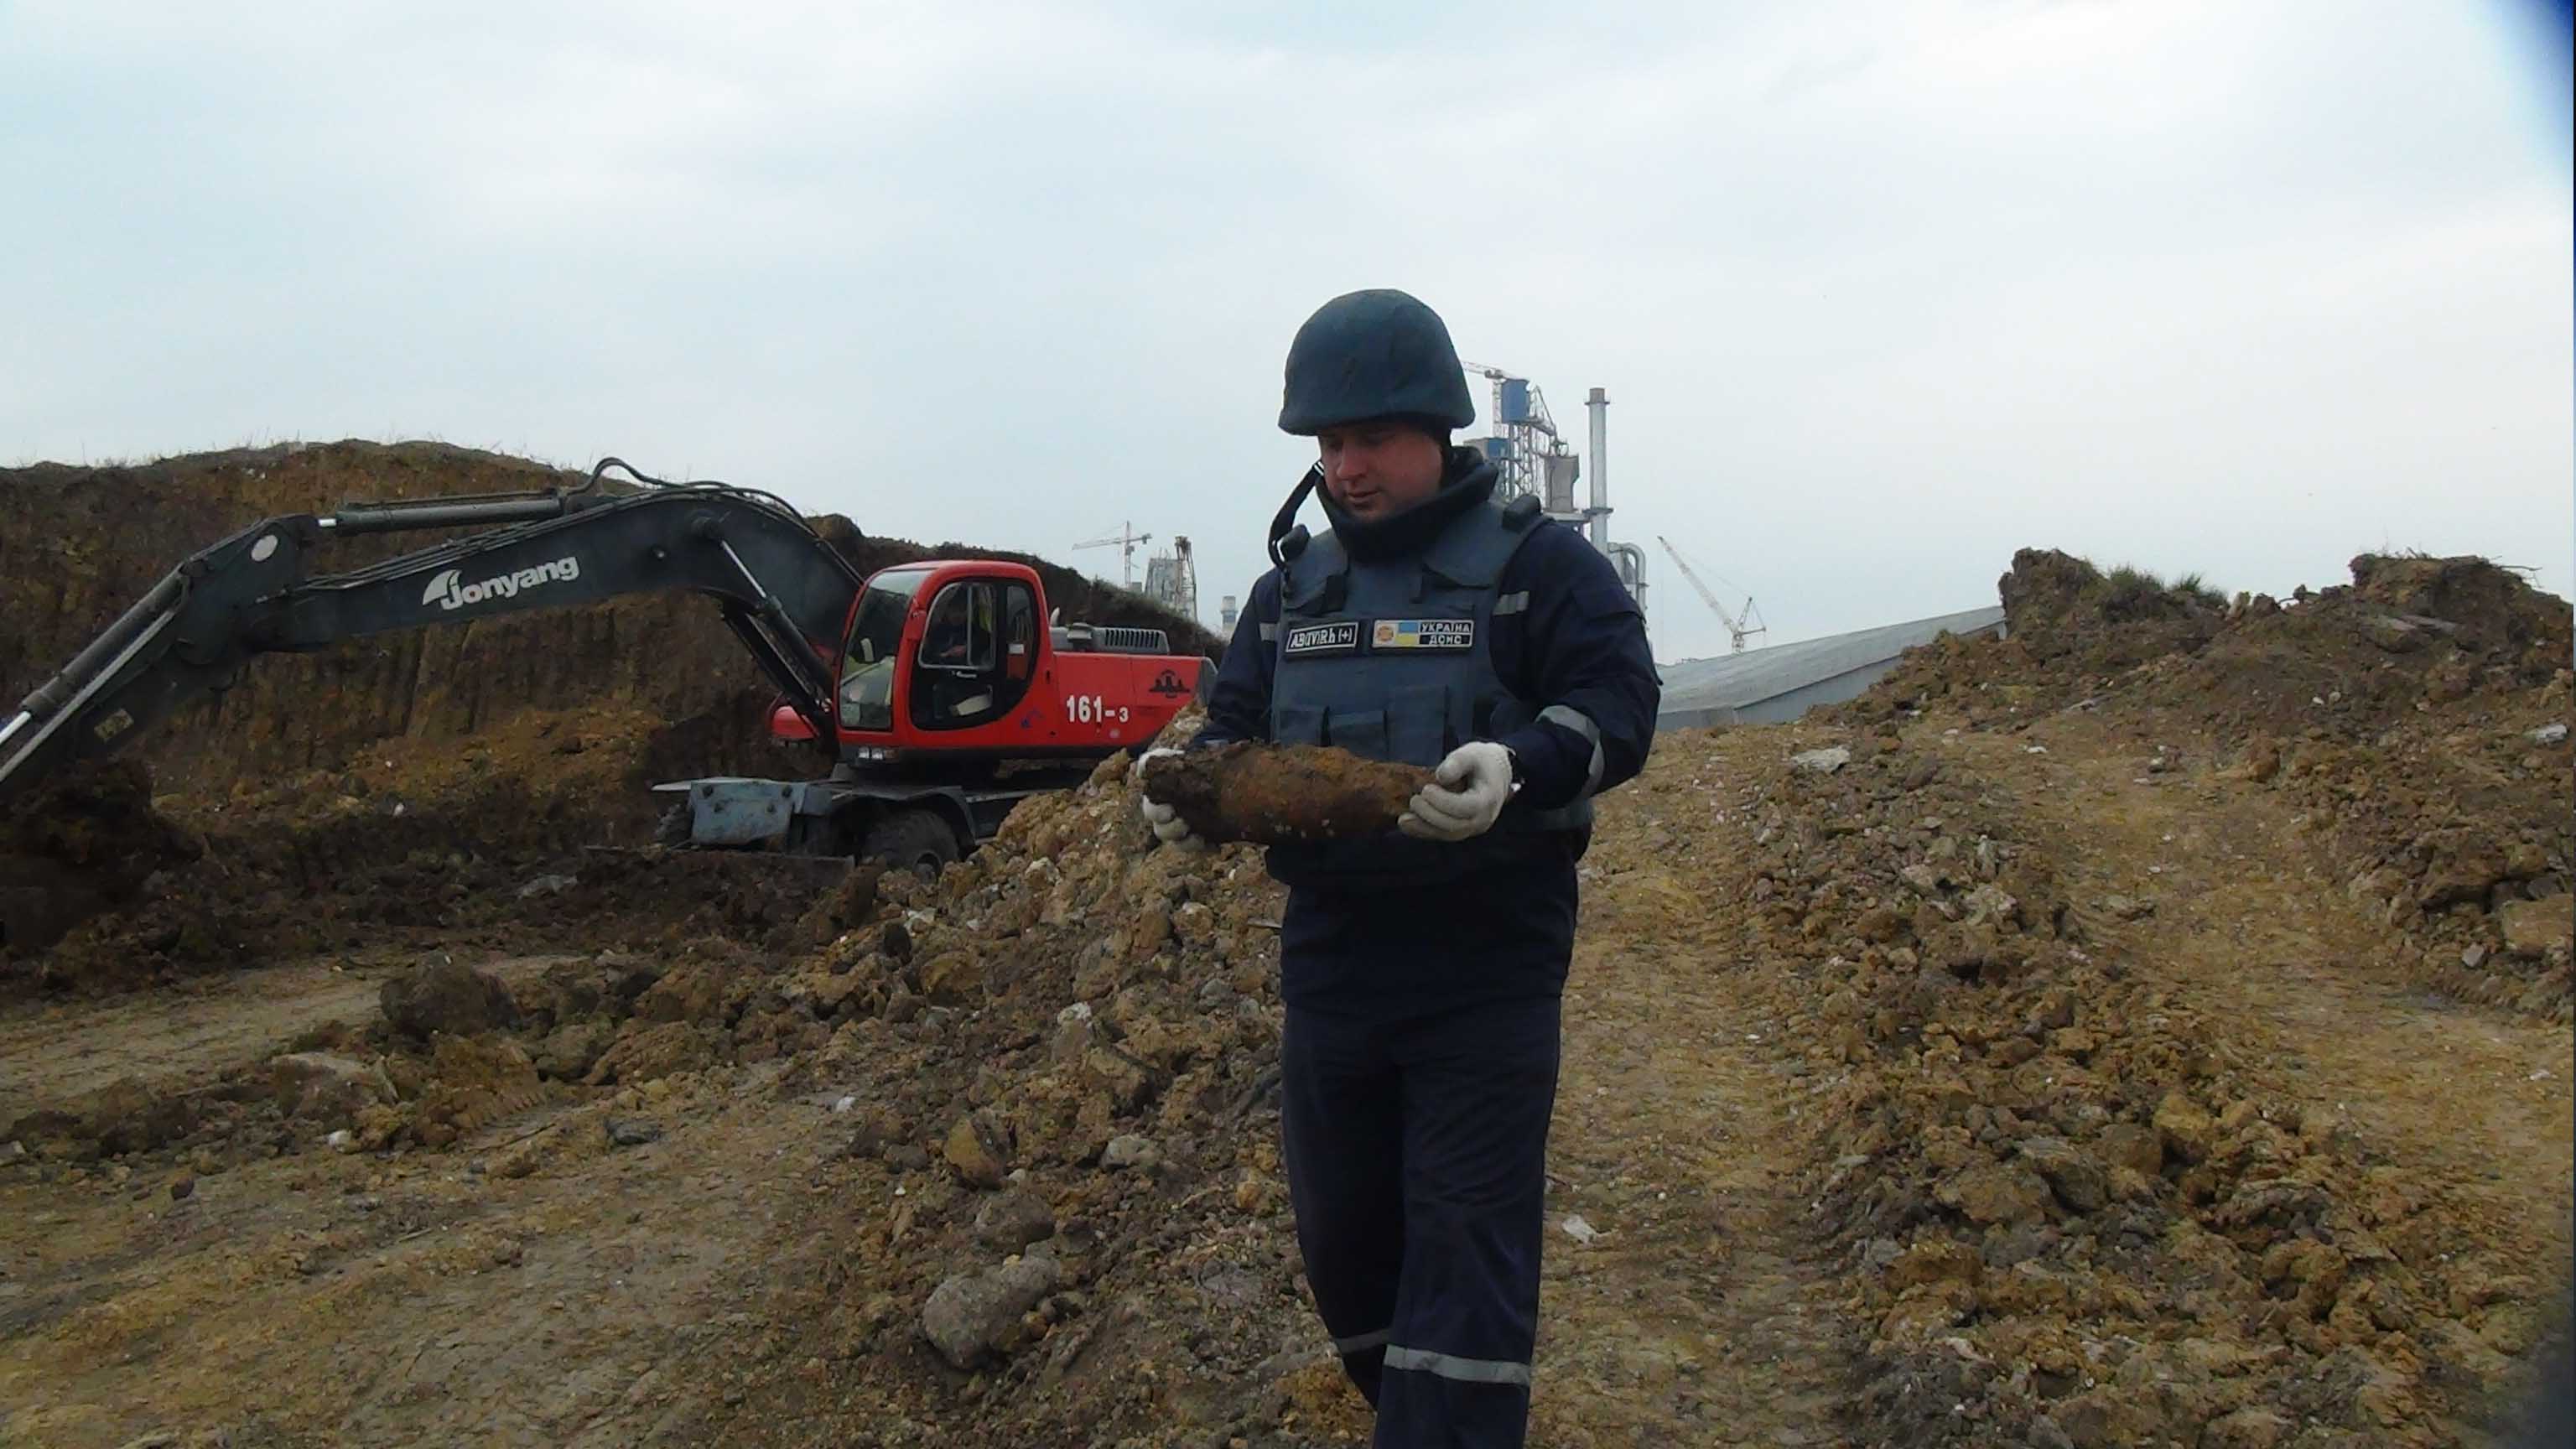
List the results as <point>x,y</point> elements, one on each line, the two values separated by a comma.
<point>962,660</point>
<point>936,653</point>
<point>978,652</point>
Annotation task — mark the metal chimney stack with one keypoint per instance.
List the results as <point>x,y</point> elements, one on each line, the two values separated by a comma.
<point>1599,404</point>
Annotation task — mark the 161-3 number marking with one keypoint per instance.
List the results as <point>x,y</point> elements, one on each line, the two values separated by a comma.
<point>1092,709</point>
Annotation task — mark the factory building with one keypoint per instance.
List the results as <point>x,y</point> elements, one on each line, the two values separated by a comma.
<point>1784,681</point>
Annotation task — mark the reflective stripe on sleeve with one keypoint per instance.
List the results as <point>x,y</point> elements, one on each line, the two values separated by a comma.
<point>1512,604</point>
<point>1458,1370</point>
<point>1581,723</point>
<point>1270,633</point>
<point>1361,1344</point>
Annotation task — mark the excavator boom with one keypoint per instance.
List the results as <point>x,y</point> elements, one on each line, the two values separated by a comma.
<point>779,585</point>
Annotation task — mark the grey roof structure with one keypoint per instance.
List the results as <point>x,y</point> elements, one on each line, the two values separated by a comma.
<point>1768,686</point>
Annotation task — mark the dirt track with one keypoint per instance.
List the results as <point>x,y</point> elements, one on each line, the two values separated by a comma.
<point>2250,931</point>
<point>1701,1313</point>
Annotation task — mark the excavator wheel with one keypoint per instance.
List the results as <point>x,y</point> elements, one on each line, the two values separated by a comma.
<point>916,840</point>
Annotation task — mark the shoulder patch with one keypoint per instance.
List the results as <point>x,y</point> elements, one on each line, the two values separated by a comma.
<point>1307,640</point>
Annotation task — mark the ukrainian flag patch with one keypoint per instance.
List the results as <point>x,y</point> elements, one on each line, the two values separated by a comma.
<point>1435,634</point>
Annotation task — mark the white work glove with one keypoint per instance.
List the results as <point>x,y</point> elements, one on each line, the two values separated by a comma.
<point>1166,822</point>
<point>1466,793</point>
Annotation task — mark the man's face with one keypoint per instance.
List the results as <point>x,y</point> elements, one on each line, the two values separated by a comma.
<point>1377,469</point>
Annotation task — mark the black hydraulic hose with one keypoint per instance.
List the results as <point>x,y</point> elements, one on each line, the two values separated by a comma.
<point>817,675</point>
<point>600,469</point>
<point>447,513</point>
<point>44,699</point>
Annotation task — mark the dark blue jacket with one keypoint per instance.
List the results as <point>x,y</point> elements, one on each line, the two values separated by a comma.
<point>1580,643</point>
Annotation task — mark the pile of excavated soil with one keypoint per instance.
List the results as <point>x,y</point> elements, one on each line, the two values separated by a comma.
<point>2068,1205</point>
<point>1059,1214</point>
<point>1064,1215</point>
<point>2420,716</point>
<point>615,924</point>
<point>1079,1034</point>
<point>82,845</point>
<point>2352,658</point>
<point>420,842</point>
<point>2068,614</point>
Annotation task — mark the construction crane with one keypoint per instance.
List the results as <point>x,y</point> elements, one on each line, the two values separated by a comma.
<point>1125,539</point>
<point>1736,623</point>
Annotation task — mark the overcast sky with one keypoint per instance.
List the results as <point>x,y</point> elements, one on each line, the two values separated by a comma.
<point>1879,291</point>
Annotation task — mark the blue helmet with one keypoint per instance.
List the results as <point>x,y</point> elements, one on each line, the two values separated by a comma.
<point>1373,354</point>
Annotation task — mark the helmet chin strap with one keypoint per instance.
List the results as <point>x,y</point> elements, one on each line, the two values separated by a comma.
<point>1285,520</point>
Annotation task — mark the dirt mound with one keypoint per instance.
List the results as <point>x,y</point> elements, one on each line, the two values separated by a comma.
<point>446,996</point>
<point>84,845</point>
<point>691,939</point>
<point>2421,713</point>
<point>2406,629</point>
<point>522,836</point>
<point>2057,1195</point>
<point>373,881</point>
<point>99,821</point>
<point>1094,1025</point>
<point>2069,629</point>
<point>2062,608</point>
<point>2494,606</point>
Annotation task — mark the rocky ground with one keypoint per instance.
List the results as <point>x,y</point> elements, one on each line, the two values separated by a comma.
<point>2153,1030</point>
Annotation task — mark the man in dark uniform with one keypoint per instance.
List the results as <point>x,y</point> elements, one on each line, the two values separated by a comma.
<point>1423,970</point>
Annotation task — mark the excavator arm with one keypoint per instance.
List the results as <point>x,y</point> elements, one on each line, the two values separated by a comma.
<point>778,584</point>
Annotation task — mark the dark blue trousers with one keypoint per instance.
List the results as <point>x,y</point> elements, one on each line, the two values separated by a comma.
<point>1416,1150</point>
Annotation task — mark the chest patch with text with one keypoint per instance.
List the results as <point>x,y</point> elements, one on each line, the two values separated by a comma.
<point>1426,634</point>
<point>1308,640</point>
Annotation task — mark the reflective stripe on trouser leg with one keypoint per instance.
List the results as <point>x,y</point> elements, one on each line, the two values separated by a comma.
<point>1464,1370</point>
<point>1341,1140</point>
<point>1479,1081</point>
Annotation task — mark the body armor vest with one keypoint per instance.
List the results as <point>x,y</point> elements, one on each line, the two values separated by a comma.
<point>1393,660</point>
